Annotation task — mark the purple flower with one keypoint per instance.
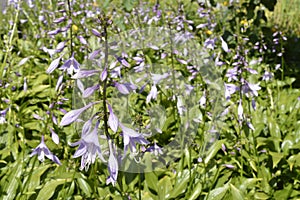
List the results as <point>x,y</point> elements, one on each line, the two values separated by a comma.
<point>152,94</point>
<point>155,149</point>
<point>42,151</point>
<point>59,82</point>
<point>229,166</point>
<point>71,65</point>
<point>60,46</point>
<point>250,88</point>
<point>113,166</point>
<point>123,61</point>
<point>130,138</point>
<point>267,76</point>
<point>59,20</point>
<point>81,73</point>
<point>209,43</point>
<point>89,147</point>
<point>3,115</point>
<point>224,45</point>
<point>103,74</point>
<point>125,88</point>
<point>96,33</point>
<point>113,121</point>
<point>89,91</point>
<point>240,110</point>
<point>54,136</point>
<point>232,74</point>
<point>73,115</point>
<point>229,90</point>
<point>53,65</point>
<point>82,40</point>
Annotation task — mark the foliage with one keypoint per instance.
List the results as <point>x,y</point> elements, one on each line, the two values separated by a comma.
<point>185,100</point>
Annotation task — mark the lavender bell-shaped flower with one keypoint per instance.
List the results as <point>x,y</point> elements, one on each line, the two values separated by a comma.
<point>42,150</point>
<point>71,65</point>
<point>152,94</point>
<point>89,146</point>
<point>113,166</point>
<point>113,121</point>
<point>73,115</point>
<point>130,138</point>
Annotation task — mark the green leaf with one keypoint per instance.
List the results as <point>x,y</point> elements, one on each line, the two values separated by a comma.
<point>48,190</point>
<point>235,193</point>
<point>247,183</point>
<point>218,193</point>
<point>180,185</point>
<point>10,187</point>
<point>35,177</point>
<point>196,191</point>
<point>276,157</point>
<point>213,150</point>
<point>151,180</point>
<point>164,186</point>
<point>294,160</point>
<point>84,186</point>
<point>261,195</point>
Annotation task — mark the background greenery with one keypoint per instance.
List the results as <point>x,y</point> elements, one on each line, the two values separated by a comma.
<point>241,164</point>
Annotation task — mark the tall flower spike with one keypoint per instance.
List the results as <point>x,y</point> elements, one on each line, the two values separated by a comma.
<point>113,166</point>
<point>42,150</point>
<point>89,146</point>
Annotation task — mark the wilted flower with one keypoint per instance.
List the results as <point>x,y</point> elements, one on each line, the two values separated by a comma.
<point>89,147</point>
<point>42,151</point>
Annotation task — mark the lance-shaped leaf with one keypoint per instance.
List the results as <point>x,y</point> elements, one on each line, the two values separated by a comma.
<point>73,115</point>
<point>89,91</point>
<point>113,121</point>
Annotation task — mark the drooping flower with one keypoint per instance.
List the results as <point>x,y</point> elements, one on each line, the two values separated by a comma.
<point>54,136</point>
<point>42,150</point>
<point>130,138</point>
<point>73,115</point>
<point>113,165</point>
<point>71,65</point>
<point>125,88</point>
<point>89,146</point>
<point>3,115</point>
<point>113,121</point>
<point>152,94</point>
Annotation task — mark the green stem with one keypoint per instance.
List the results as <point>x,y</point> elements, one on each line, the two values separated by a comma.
<point>8,46</point>
<point>105,117</point>
<point>71,31</point>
